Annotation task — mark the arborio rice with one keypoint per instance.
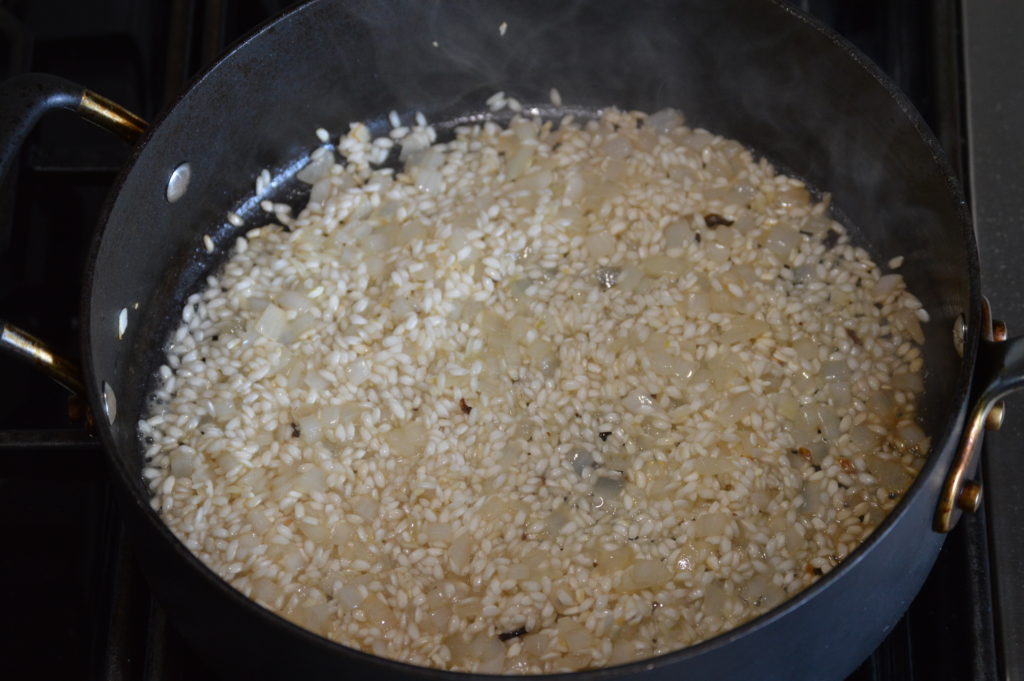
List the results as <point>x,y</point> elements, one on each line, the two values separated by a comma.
<point>550,397</point>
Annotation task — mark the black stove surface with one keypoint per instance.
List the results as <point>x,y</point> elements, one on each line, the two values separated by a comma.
<point>75,607</point>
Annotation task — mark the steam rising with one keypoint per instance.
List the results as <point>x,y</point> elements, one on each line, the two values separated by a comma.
<point>753,71</point>
<point>746,69</point>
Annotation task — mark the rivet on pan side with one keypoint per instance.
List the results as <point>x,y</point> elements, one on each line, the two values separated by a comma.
<point>970,497</point>
<point>177,184</point>
<point>999,331</point>
<point>959,334</point>
<point>109,403</point>
<point>994,420</point>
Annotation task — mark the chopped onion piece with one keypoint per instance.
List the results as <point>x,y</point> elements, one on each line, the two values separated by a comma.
<point>665,121</point>
<point>318,166</point>
<point>272,323</point>
<point>640,402</point>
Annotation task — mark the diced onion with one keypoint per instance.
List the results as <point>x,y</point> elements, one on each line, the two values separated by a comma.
<point>665,120</point>
<point>711,524</point>
<point>639,402</point>
<point>272,323</point>
<point>318,166</point>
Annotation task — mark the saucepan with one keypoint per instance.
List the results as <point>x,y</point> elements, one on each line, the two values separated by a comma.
<point>753,70</point>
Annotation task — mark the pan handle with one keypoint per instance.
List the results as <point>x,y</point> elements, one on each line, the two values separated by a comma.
<point>999,371</point>
<point>25,346</point>
<point>23,101</point>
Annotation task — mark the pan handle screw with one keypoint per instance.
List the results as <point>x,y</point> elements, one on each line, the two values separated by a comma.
<point>970,497</point>
<point>994,420</point>
<point>999,332</point>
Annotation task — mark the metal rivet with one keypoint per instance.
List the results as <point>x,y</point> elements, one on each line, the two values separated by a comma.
<point>177,184</point>
<point>999,331</point>
<point>959,334</point>
<point>970,497</point>
<point>994,420</point>
<point>109,403</point>
<point>122,322</point>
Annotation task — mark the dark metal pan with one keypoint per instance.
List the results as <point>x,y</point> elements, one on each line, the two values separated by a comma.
<point>752,70</point>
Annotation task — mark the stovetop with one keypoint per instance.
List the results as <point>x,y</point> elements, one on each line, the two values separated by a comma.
<point>75,606</point>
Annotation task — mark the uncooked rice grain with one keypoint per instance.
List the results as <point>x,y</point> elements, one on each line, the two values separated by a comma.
<point>552,396</point>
